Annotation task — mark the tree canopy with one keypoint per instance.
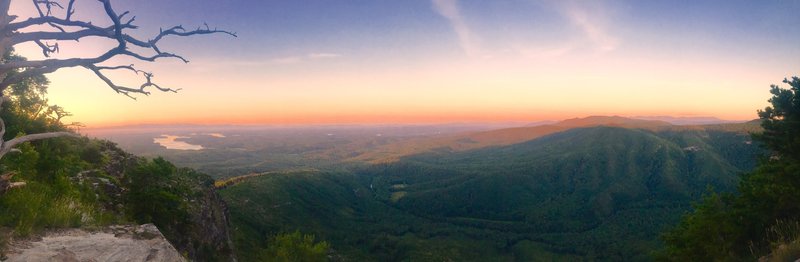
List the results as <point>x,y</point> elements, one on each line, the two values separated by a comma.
<point>764,213</point>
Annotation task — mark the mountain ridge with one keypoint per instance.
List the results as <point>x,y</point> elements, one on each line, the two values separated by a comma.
<point>507,136</point>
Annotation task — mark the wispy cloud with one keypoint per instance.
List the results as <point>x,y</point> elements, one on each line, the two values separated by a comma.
<point>449,10</point>
<point>323,55</point>
<point>544,53</point>
<point>300,59</point>
<point>592,24</point>
<point>286,60</point>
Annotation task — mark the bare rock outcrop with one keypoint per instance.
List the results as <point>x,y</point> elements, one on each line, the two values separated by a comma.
<point>114,243</point>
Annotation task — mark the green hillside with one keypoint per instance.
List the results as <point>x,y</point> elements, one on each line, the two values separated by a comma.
<point>341,209</point>
<point>601,168</point>
<point>600,193</point>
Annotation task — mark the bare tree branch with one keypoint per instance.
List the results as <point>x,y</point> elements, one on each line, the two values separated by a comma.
<point>64,28</point>
<point>116,31</point>
<point>8,145</point>
<point>46,48</point>
<point>47,4</point>
<point>58,21</point>
<point>70,9</point>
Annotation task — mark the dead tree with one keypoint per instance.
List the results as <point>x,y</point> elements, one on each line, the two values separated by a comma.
<point>56,19</point>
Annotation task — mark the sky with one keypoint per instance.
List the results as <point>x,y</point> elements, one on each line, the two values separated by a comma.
<point>438,61</point>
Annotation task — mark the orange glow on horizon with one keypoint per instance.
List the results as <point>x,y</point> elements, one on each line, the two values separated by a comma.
<point>588,69</point>
<point>356,119</point>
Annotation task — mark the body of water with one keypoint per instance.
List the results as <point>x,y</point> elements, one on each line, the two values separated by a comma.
<point>171,142</point>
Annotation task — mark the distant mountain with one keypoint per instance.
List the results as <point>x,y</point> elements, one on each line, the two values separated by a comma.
<point>507,136</point>
<point>694,120</point>
<point>541,123</point>
<point>616,121</point>
<point>589,193</point>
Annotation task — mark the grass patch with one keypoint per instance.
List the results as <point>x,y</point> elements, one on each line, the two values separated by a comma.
<point>37,206</point>
<point>4,236</point>
<point>785,236</point>
<point>786,252</point>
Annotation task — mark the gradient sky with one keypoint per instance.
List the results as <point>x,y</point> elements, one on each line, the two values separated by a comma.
<point>424,61</point>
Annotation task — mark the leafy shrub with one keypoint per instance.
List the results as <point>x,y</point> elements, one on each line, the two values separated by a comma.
<point>154,198</point>
<point>50,199</point>
<point>747,225</point>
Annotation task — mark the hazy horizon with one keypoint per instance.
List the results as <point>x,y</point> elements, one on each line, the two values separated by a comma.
<point>677,120</point>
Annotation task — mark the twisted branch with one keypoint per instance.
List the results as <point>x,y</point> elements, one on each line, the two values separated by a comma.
<point>64,28</point>
<point>10,144</point>
<point>82,29</point>
<point>128,90</point>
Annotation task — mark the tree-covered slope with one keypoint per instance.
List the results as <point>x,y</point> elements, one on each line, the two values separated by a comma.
<point>341,209</point>
<point>600,193</point>
<point>598,168</point>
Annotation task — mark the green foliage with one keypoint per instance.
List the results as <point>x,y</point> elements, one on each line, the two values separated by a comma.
<point>68,183</point>
<point>709,219</point>
<point>181,203</point>
<point>28,111</point>
<point>741,226</point>
<point>38,206</point>
<point>781,120</point>
<point>152,199</point>
<point>51,198</point>
<point>785,241</point>
<point>86,182</point>
<point>785,252</point>
<point>289,247</point>
<point>586,194</point>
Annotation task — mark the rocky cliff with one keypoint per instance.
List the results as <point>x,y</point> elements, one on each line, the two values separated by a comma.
<point>200,233</point>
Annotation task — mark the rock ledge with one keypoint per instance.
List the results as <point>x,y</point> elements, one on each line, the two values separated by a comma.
<point>114,243</point>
